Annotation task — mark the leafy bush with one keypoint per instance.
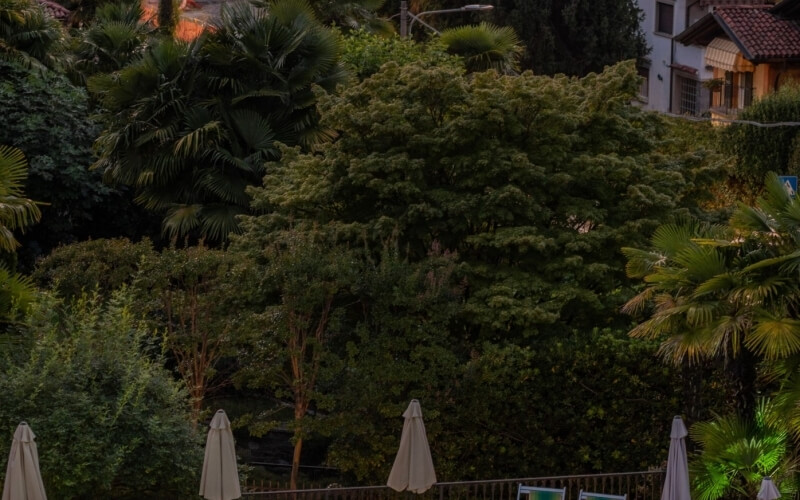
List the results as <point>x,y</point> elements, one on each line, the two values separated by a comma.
<point>110,421</point>
<point>585,403</point>
<point>364,53</point>
<point>103,265</point>
<point>760,150</point>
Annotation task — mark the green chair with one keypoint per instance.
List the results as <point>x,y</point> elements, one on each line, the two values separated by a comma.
<point>585,495</point>
<point>536,493</point>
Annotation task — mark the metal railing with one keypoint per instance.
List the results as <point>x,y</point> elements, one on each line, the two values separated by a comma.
<point>637,485</point>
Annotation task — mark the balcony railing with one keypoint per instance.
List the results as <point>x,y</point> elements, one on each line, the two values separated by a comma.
<point>637,485</point>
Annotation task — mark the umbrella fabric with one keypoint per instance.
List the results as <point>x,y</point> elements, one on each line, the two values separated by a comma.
<point>220,479</point>
<point>768,490</point>
<point>676,484</point>
<point>23,479</point>
<point>413,466</point>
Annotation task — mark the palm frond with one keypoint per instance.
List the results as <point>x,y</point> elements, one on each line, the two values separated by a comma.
<point>775,338</point>
<point>485,47</point>
<point>182,219</point>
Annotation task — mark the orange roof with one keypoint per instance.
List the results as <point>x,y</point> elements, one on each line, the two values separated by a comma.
<point>186,30</point>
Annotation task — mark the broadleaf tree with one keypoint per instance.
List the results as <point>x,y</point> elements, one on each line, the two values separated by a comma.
<point>533,181</point>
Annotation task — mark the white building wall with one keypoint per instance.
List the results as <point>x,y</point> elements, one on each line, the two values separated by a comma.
<point>664,53</point>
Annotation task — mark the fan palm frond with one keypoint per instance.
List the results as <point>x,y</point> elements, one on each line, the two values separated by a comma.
<point>17,293</point>
<point>775,337</point>
<point>485,46</point>
<point>737,453</point>
<point>16,211</point>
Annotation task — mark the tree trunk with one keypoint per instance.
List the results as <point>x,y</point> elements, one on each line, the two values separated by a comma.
<point>298,447</point>
<point>166,16</point>
<point>742,372</point>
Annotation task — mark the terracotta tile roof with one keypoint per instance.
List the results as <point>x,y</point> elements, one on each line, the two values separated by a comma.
<point>761,34</point>
<point>721,3</point>
<point>55,10</point>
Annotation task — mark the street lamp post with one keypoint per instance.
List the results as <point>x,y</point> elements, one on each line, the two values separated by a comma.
<point>405,26</point>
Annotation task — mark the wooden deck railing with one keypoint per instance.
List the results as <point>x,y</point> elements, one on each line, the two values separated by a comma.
<point>637,485</point>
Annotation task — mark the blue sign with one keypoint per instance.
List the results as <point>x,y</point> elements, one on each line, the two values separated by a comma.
<point>789,183</point>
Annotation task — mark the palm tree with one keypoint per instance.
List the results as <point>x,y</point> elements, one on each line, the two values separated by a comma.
<point>728,292</point>
<point>775,223</point>
<point>28,35</point>
<point>16,211</point>
<point>705,302</point>
<point>191,126</point>
<point>485,46</point>
<point>117,36</point>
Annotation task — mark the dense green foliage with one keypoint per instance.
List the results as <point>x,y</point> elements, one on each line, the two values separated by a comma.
<point>759,150</point>
<point>186,295</point>
<point>109,421</point>
<point>190,126</point>
<point>574,37</point>
<point>482,251</point>
<point>586,403</point>
<point>115,38</point>
<point>533,181</point>
<point>737,453</point>
<point>47,117</point>
<point>28,36</point>
<point>101,266</point>
<point>364,53</point>
<point>430,232</point>
<point>17,293</point>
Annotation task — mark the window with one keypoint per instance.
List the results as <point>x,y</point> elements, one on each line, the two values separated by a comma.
<point>745,89</point>
<point>693,13</point>
<point>664,15</point>
<point>727,91</point>
<point>688,91</point>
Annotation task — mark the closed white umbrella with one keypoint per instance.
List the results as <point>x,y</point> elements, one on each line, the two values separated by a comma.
<point>768,490</point>
<point>676,484</point>
<point>23,479</point>
<point>413,466</point>
<point>220,479</point>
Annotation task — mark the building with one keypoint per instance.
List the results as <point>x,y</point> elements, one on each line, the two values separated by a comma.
<point>751,51</point>
<point>675,71</point>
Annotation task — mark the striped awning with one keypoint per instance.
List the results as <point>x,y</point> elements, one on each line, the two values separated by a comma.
<point>721,53</point>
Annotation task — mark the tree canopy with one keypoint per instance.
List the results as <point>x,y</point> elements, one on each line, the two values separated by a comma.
<point>533,181</point>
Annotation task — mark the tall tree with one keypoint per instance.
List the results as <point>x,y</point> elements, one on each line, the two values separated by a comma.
<point>725,292</point>
<point>303,287</point>
<point>533,180</point>
<point>117,35</point>
<point>574,37</point>
<point>190,126</point>
<point>182,294</point>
